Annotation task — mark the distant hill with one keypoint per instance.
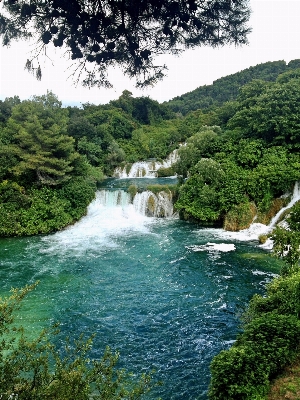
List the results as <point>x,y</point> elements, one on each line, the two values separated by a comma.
<point>227,88</point>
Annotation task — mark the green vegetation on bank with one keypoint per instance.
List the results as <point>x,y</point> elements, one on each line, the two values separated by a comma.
<point>249,161</point>
<point>53,157</point>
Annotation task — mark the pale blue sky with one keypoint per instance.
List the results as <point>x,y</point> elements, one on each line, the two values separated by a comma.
<point>275,36</point>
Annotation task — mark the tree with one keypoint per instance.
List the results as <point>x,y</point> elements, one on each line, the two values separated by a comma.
<point>98,35</point>
<point>36,137</point>
<point>203,144</point>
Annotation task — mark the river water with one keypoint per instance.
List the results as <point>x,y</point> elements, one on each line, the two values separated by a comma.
<point>165,293</point>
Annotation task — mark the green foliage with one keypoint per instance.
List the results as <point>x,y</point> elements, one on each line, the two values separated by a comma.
<point>165,172</point>
<point>162,188</point>
<point>42,210</point>
<point>78,193</point>
<point>238,374</point>
<point>239,217</point>
<point>152,141</point>
<point>267,344</point>
<point>36,369</point>
<point>132,190</point>
<point>287,246</point>
<point>199,196</point>
<point>36,137</point>
<point>204,143</point>
<point>282,297</point>
<point>270,112</point>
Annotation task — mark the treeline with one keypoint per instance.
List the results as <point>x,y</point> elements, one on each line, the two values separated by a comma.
<point>53,157</point>
<point>227,88</point>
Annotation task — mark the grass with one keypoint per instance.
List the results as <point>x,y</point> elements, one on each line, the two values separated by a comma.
<point>287,385</point>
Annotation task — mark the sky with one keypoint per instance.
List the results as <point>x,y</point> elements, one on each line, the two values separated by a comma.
<point>275,36</point>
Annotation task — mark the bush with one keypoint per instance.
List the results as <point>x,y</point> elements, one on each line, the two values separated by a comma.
<point>283,296</point>
<point>132,190</point>
<point>42,210</point>
<point>165,172</point>
<point>238,373</point>
<point>266,346</point>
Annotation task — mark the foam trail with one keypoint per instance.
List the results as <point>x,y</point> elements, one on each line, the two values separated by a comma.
<point>109,216</point>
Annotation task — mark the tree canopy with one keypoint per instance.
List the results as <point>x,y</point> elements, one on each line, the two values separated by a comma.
<point>100,34</point>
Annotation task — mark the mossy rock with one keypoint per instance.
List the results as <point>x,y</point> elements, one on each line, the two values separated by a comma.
<point>151,205</point>
<point>275,206</point>
<point>240,217</point>
<point>165,172</point>
<point>262,239</point>
<point>132,190</point>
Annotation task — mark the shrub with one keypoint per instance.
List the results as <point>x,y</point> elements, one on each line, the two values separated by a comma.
<point>266,346</point>
<point>238,373</point>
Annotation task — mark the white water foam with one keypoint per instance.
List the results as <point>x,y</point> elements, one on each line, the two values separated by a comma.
<point>109,216</point>
<point>161,204</point>
<point>223,247</point>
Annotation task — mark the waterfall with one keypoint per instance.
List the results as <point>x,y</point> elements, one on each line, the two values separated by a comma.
<point>146,169</point>
<point>257,229</point>
<point>146,203</point>
<point>113,198</point>
<point>153,205</point>
<point>294,199</point>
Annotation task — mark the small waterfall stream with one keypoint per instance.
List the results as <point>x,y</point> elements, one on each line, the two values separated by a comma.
<point>257,229</point>
<point>294,199</point>
<point>146,169</point>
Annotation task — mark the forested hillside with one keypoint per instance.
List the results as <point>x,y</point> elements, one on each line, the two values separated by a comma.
<point>236,171</point>
<point>227,88</point>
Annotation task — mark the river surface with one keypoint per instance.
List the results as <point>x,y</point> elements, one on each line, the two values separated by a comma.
<point>165,293</point>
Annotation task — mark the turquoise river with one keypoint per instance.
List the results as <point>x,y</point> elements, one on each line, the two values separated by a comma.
<point>165,293</point>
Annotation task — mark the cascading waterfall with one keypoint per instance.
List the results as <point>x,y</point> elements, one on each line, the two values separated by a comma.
<point>151,205</point>
<point>146,169</point>
<point>111,198</point>
<point>146,203</point>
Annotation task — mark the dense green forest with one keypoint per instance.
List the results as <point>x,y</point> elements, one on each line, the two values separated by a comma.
<point>239,155</point>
